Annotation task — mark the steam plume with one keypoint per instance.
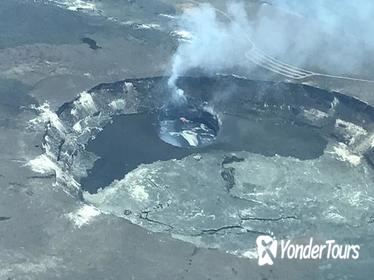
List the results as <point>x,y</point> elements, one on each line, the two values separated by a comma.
<point>327,36</point>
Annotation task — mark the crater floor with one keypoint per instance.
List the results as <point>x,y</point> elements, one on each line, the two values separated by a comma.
<point>289,160</point>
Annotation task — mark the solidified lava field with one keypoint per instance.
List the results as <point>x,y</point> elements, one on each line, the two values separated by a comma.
<point>281,153</point>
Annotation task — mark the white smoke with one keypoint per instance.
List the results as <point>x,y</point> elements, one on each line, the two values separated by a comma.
<point>327,36</point>
<point>215,44</point>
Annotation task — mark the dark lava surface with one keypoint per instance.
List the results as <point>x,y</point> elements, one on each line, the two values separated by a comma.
<point>132,140</point>
<point>125,144</point>
<point>258,117</point>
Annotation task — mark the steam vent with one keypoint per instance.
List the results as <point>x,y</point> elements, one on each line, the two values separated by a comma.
<point>184,126</point>
<point>225,167</point>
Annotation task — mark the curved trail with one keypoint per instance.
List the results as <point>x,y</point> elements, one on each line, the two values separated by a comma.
<point>258,57</point>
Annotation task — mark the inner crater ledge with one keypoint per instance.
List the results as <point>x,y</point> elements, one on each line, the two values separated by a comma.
<point>242,158</point>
